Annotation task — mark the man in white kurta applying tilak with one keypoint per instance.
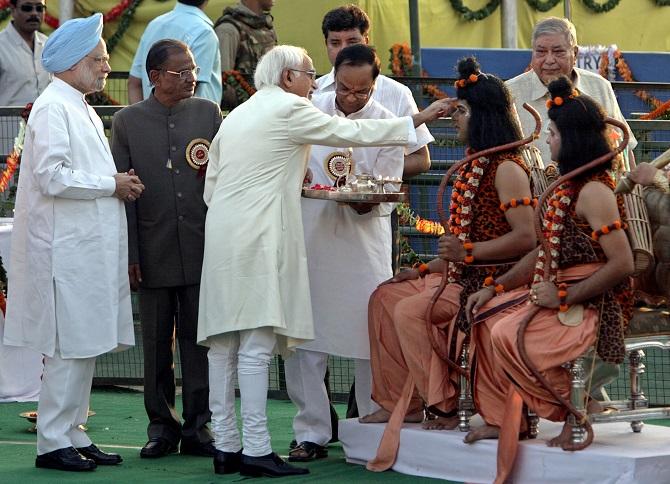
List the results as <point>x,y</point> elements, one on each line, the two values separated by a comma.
<point>254,292</point>
<point>69,298</point>
<point>348,255</point>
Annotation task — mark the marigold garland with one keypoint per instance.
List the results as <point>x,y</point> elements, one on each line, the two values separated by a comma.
<point>627,75</point>
<point>658,112</point>
<point>604,64</point>
<point>553,226</point>
<point>401,65</point>
<point>236,80</point>
<point>14,157</point>
<point>463,192</point>
<point>401,60</point>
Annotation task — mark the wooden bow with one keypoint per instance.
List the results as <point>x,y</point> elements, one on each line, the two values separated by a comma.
<point>547,252</point>
<point>444,220</point>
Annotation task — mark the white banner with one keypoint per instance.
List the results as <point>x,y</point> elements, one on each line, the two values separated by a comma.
<point>590,58</point>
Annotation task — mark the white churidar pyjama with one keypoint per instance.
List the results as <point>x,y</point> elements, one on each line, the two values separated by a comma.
<point>249,352</point>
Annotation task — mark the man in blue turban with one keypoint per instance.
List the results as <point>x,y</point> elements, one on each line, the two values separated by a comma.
<point>70,298</point>
<point>71,43</point>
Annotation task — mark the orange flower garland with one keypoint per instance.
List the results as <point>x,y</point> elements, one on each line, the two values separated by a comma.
<point>559,204</point>
<point>604,64</point>
<point>401,65</point>
<point>12,163</point>
<point>236,80</point>
<point>14,157</point>
<point>627,75</point>
<point>464,190</point>
<point>659,111</point>
<point>401,60</point>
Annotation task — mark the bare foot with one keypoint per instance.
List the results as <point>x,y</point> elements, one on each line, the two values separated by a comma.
<point>441,423</point>
<point>481,433</point>
<point>380,416</point>
<point>561,439</point>
<point>383,416</point>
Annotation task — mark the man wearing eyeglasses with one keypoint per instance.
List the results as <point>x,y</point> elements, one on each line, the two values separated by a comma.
<point>348,255</point>
<point>554,54</point>
<point>22,77</point>
<point>188,23</point>
<point>69,298</point>
<point>165,139</point>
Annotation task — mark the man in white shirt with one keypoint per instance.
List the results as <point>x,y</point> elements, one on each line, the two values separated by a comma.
<point>22,77</point>
<point>348,255</point>
<point>70,298</point>
<point>554,44</point>
<point>349,25</point>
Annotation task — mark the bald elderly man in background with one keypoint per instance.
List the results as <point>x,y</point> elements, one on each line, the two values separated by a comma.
<point>70,298</point>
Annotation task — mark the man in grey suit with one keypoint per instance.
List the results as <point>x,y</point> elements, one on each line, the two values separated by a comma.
<point>165,139</point>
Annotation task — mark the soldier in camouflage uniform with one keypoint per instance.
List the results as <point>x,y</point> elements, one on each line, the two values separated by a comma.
<point>245,33</point>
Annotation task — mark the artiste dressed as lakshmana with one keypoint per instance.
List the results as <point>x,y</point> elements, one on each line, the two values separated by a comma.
<point>485,233</point>
<point>583,294</point>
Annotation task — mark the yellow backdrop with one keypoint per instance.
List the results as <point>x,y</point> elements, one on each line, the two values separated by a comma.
<point>298,22</point>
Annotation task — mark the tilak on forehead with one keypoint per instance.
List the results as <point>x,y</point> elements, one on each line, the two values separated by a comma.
<point>71,42</point>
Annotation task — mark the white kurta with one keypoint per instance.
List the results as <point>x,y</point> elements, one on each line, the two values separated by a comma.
<point>255,270</point>
<point>348,254</point>
<point>68,268</point>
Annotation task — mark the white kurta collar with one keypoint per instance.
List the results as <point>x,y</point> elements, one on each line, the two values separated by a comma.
<point>69,92</point>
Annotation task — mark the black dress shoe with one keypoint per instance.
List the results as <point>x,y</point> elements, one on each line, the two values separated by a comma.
<point>157,447</point>
<point>67,459</point>
<point>227,462</point>
<point>203,449</point>
<point>99,457</point>
<point>270,465</point>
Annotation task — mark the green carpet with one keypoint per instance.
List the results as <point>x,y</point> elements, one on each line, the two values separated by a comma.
<point>120,426</point>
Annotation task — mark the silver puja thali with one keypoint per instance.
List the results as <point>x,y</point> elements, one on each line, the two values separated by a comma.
<point>351,196</point>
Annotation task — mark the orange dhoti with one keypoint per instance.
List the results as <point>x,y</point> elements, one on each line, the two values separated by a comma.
<point>406,371</point>
<point>489,388</point>
<point>508,382</point>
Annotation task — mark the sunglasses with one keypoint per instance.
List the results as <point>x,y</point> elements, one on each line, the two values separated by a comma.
<point>39,8</point>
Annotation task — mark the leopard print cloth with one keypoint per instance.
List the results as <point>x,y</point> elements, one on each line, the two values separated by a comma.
<point>615,305</point>
<point>488,222</point>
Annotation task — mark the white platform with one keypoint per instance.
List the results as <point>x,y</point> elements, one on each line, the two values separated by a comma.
<point>617,455</point>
